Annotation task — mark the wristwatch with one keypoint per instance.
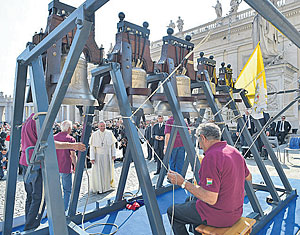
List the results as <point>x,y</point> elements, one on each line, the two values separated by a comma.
<point>183,184</point>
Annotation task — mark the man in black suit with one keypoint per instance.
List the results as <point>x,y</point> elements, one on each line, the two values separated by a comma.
<point>282,129</point>
<point>149,138</point>
<point>158,135</point>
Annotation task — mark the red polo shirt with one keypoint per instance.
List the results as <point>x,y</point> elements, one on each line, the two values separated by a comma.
<point>168,129</point>
<point>223,170</point>
<point>64,155</point>
<point>28,138</point>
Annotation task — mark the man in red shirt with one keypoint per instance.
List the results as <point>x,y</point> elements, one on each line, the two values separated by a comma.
<point>178,151</point>
<point>219,195</point>
<point>34,188</point>
<point>65,159</point>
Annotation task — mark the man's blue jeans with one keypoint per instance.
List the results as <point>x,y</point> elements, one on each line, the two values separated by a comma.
<point>66,180</point>
<point>177,159</point>
<point>34,191</point>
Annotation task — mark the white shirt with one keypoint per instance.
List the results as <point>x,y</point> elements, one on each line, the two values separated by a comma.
<point>248,122</point>
<point>281,126</point>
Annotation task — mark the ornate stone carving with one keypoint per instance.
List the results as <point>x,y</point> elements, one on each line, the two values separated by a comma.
<point>271,98</point>
<point>264,32</point>
<point>234,5</point>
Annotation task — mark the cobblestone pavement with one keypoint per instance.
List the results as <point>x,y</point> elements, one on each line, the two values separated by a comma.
<point>291,169</point>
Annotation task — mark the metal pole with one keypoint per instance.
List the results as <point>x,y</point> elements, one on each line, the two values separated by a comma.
<point>198,121</point>
<point>149,196</point>
<point>214,108</point>
<point>179,120</point>
<point>125,168</point>
<point>86,133</point>
<point>14,146</point>
<point>53,194</point>
<point>123,176</point>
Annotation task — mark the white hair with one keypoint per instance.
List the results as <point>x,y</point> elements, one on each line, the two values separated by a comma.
<point>210,131</point>
<point>102,122</point>
<point>65,125</point>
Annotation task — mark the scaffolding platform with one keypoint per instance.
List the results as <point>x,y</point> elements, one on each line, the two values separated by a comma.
<point>136,222</point>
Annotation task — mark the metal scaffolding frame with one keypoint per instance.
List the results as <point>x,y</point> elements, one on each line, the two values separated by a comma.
<point>44,150</point>
<point>287,193</point>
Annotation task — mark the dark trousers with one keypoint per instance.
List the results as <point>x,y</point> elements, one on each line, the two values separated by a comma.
<point>185,213</point>
<point>281,136</point>
<point>1,171</point>
<point>149,149</point>
<point>124,151</point>
<point>34,191</point>
<point>160,155</point>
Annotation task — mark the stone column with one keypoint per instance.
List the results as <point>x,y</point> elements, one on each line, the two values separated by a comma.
<point>1,113</point>
<point>77,115</point>
<point>280,77</point>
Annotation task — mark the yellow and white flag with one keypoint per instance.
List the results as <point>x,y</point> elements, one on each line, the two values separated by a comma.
<point>253,79</point>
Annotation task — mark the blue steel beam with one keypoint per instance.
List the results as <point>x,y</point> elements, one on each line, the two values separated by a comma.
<point>198,122</point>
<point>14,146</point>
<point>87,129</point>
<point>275,210</point>
<point>125,167</point>
<point>179,120</point>
<point>148,193</point>
<point>86,132</point>
<point>253,198</point>
<point>123,176</point>
<point>214,108</point>
<point>51,182</point>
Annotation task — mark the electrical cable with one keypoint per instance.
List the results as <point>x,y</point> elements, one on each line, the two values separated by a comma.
<point>84,211</point>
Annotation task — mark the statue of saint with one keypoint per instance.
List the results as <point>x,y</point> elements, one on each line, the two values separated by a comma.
<point>180,24</point>
<point>266,33</point>
<point>234,4</point>
<point>218,9</point>
<point>171,25</point>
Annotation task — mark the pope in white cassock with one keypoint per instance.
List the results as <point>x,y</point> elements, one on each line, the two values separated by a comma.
<point>102,155</point>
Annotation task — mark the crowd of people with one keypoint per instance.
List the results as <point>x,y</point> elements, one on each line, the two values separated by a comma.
<point>4,144</point>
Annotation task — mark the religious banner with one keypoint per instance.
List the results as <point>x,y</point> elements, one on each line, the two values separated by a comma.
<point>253,80</point>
